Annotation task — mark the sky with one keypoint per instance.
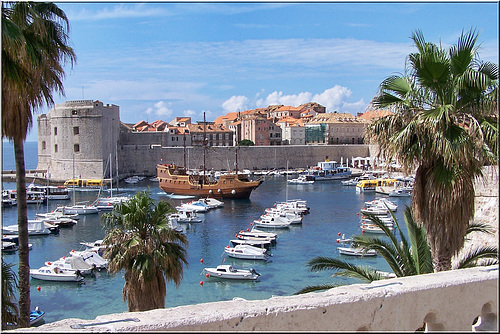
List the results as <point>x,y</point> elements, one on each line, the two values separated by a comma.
<point>161,60</point>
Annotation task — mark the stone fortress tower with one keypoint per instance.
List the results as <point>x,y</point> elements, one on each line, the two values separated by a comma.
<point>77,139</point>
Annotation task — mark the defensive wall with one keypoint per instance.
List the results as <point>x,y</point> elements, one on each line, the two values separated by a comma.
<point>143,158</point>
<point>459,300</point>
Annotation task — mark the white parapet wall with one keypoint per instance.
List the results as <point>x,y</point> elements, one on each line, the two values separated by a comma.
<point>457,300</point>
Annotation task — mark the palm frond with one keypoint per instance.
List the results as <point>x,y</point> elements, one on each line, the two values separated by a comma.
<point>471,258</point>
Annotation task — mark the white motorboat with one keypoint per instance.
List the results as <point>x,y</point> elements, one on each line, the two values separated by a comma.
<point>57,213</point>
<point>256,242</point>
<point>51,192</point>
<point>297,206</point>
<point>381,203</point>
<point>228,271</point>
<point>257,234</point>
<point>193,206</point>
<point>184,216</point>
<point>96,246</point>
<point>172,223</point>
<point>247,252</point>
<point>329,170</point>
<point>375,210</point>
<point>352,251</point>
<point>271,222</point>
<point>81,209</point>
<point>388,221</point>
<point>9,246</point>
<point>71,264</point>
<point>302,179</point>
<point>60,221</point>
<point>291,217</point>
<point>46,273</point>
<point>35,227</point>
<point>401,192</point>
<point>212,202</point>
<point>32,197</point>
<point>370,228</point>
<point>344,240</point>
<point>91,257</point>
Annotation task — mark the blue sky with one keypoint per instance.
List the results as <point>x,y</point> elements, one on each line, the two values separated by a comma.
<point>160,60</point>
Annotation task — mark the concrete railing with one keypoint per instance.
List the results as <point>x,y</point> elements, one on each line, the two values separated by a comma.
<point>458,300</point>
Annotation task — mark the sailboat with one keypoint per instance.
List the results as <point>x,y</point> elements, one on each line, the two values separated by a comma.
<point>81,209</point>
<point>107,203</point>
<point>177,180</point>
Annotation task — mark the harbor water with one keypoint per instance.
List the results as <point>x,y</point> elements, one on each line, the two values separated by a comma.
<point>334,209</point>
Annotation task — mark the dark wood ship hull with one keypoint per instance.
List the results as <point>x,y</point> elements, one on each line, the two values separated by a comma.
<point>174,179</point>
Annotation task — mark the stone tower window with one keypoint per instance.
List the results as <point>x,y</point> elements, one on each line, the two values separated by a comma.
<point>55,131</point>
<point>55,148</point>
<point>76,130</point>
<point>74,112</point>
<point>76,148</point>
<point>44,145</point>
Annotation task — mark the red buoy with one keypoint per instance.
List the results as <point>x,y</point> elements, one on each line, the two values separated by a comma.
<point>201,260</point>
<point>207,275</point>
<point>38,288</point>
<point>339,234</point>
<point>201,282</point>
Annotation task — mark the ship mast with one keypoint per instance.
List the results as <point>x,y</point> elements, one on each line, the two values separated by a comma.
<point>204,145</point>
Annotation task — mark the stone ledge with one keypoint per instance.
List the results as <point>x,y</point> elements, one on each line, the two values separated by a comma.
<point>446,300</point>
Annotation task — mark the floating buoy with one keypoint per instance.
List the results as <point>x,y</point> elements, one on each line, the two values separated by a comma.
<point>357,213</point>
<point>338,240</point>
<point>72,250</point>
<point>235,235</point>
<point>227,246</point>
<point>201,282</point>
<point>248,229</point>
<point>207,275</point>
<point>363,231</point>
<point>201,260</point>
<point>339,234</point>
<point>38,288</point>
<point>250,224</point>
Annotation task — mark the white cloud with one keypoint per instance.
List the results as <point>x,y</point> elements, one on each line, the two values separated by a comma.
<point>235,103</point>
<point>159,109</point>
<point>334,99</point>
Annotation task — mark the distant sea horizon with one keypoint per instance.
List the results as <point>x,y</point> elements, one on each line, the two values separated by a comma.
<point>30,155</point>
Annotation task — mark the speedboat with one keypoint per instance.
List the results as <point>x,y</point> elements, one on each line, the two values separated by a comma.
<point>60,221</point>
<point>228,271</point>
<point>58,213</point>
<point>46,273</point>
<point>401,192</point>
<point>352,251</point>
<point>247,252</point>
<point>8,246</point>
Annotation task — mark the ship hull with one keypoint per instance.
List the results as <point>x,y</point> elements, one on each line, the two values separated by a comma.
<point>173,179</point>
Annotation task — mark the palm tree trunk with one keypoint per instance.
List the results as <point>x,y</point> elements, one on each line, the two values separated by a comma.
<point>22,222</point>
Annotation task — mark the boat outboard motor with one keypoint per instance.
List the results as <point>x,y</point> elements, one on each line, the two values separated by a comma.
<point>254,272</point>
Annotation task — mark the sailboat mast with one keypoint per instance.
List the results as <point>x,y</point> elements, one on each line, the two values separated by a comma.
<point>117,179</point>
<point>111,174</point>
<point>204,144</point>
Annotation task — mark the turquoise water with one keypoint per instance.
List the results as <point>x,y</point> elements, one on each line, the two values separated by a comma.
<point>333,207</point>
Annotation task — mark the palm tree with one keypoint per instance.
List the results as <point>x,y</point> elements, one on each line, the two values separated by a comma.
<point>34,50</point>
<point>139,240</point>
<point>406,257</point>
<point>9,286</point>
<point>444,125</point>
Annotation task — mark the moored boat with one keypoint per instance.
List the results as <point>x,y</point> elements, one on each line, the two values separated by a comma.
<point>46,273</point>
<point>247,252</point>
<point>352,251</point>
<point>175,179</point>
<point>228,271</point>
<point>327,171</point>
